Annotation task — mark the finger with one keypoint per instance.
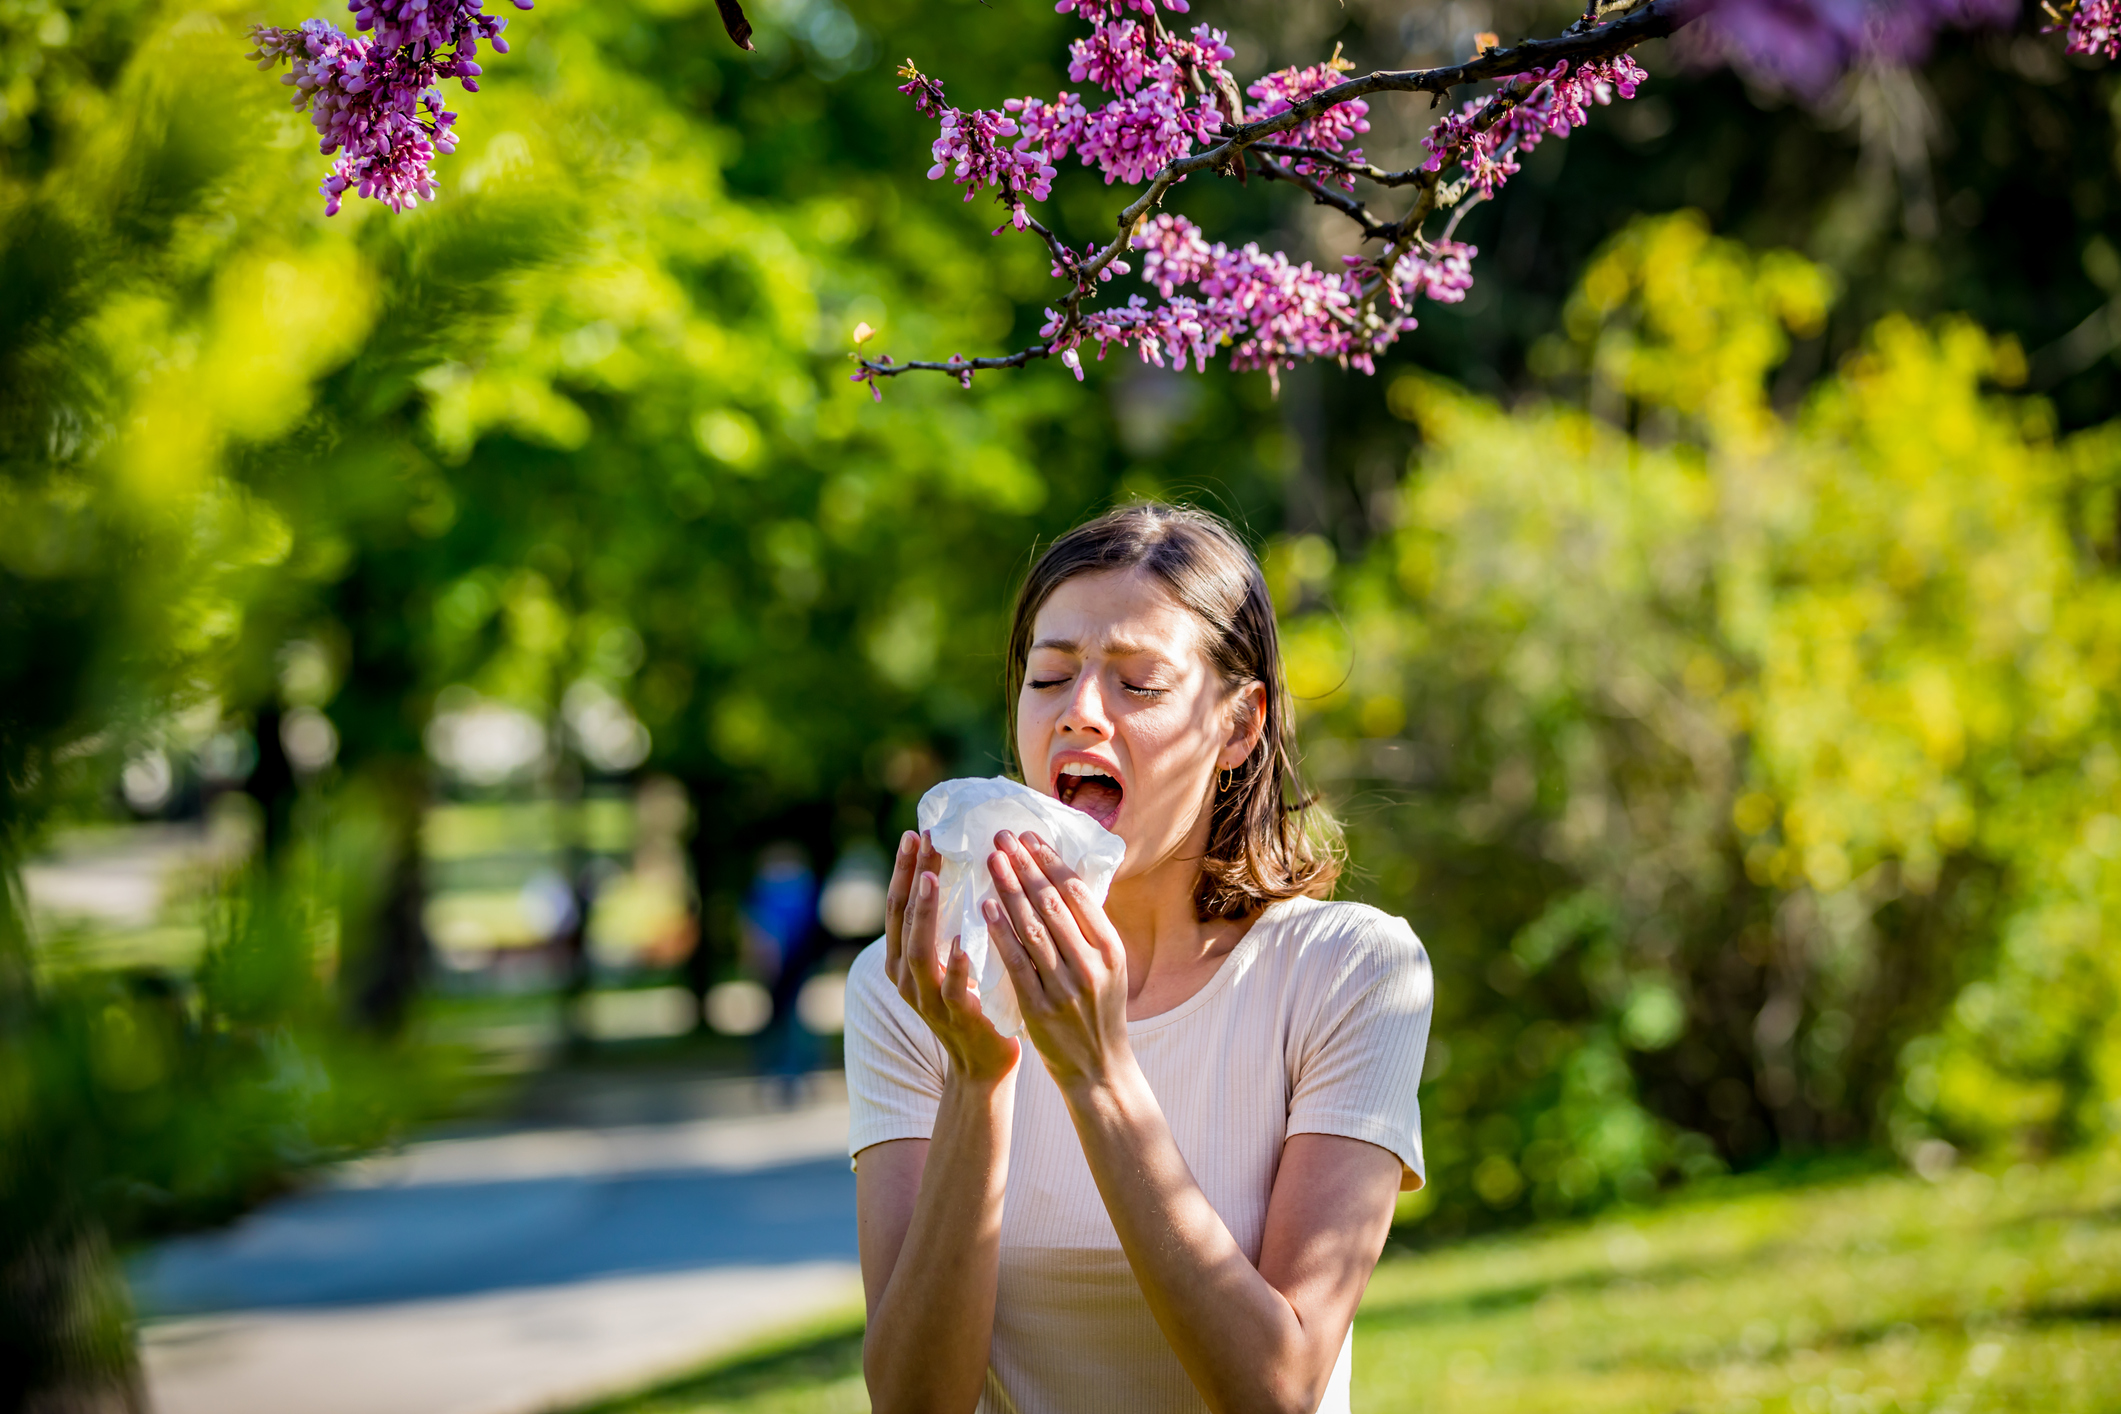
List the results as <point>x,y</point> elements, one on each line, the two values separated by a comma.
<point>1045,903</point>
<point>928,860</point>
<point>1001,936</point>
<point>924,967</point>
<point>1083,905</point>
<point>895,899</point>
<point>1031,932</point>
<point>960,991</point>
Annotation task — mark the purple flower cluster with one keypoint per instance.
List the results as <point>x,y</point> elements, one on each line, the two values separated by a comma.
<point>2091,27</point>
<point>1170,95</point>
<point>374,98</point>
<point>1166,97</point>
<point>1443,272</point>
<point>1486,136</point>
<point>1331,130</point>
<point>422,29</point>
<point>968,148</point>
<point>1102,11</point>
<point>1804,45</point>
<point>1269,311</point>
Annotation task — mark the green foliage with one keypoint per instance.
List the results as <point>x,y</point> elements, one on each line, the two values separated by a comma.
<point>146,1104</point>
<point>583,419</point>
<point>1754,761</point>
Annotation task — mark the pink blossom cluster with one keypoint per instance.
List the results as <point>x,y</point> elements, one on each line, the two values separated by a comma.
<point>1486,136</point>
<point>1441,271</point>
<point>1157,117</point>
<point>1167,95</point>
<point>969,149</point>
<point>2091,27</point>
<point>1271,311</point>
<point>1070,266</point>
<point>374,101</point>
<point>1331,130</point>
<point>1099,11</point>
<point>426,27</point>
<point>1166,98</point>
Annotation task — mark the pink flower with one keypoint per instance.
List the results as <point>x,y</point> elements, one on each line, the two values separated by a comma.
<point>1331,130</point>
<point>374,101</point>
<point>2093,27</point>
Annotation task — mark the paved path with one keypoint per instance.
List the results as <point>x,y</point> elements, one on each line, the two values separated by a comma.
<point>508,1274</point>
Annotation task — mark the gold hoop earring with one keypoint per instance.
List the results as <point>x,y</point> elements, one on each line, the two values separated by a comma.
<point>1223,782</point>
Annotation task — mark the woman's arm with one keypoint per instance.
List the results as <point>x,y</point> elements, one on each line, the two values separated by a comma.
<point>1250,1338</point>
<point>931,1209</point>
<point>931,1223</point>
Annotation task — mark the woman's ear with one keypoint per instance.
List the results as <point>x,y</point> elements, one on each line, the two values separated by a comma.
<point>1248,717</point>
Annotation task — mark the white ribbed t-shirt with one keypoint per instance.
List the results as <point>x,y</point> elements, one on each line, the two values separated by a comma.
<point>1314,1024</point>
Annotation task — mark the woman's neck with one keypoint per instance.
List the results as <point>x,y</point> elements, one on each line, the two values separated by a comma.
<point>1157,915</point>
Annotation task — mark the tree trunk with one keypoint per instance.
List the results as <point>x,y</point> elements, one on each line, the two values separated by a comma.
<point>66,1333</point>
<point>66,1337</point>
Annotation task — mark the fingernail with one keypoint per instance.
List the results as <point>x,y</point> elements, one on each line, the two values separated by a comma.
<point>905,841</point>
<point>927,886</point>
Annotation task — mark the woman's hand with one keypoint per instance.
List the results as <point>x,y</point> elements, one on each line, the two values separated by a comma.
<point>1066,959</point>
<point>942,992</point>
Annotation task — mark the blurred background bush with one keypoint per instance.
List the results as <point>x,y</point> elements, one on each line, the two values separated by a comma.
<point>435,646</point>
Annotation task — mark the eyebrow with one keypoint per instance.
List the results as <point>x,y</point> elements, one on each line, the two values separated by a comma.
<point>1118,648</point>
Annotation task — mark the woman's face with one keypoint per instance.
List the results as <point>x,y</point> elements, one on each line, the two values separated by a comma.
<point>1123,717</point>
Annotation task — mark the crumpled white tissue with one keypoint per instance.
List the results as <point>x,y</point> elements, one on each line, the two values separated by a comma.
<point>961,818</point>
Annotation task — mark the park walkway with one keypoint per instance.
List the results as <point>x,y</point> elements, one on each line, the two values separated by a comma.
<point>513,1272</point>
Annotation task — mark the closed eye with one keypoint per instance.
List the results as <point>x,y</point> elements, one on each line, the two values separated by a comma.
<point>1148,694</point>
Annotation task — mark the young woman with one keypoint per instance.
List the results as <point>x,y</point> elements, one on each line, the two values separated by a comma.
<point>1176,1204</point>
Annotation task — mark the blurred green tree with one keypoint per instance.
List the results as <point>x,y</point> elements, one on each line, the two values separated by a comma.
<point>582,422</point>
<point>1778,749</point>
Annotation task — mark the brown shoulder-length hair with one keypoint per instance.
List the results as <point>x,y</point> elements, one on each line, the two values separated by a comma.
<point>1268,837</point>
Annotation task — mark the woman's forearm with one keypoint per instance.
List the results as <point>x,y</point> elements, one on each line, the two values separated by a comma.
<point>931,1328</point>
<point>1242,1342</point>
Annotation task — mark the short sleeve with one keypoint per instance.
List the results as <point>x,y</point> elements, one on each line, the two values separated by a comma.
<point>895,1066</point>
<point>1361,1037</point>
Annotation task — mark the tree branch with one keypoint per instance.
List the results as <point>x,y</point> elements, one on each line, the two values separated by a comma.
<point>1348,206</point>
<point>1366,171</point>
<point>1585,42</point>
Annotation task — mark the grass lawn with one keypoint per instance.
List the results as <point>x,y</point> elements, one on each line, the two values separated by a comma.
<point>1986,1291</point>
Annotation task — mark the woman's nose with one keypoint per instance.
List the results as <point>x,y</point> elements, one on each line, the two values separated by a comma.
<point>1085,712</point>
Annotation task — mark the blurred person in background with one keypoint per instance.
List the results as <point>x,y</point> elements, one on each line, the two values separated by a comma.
<point>782,939</point>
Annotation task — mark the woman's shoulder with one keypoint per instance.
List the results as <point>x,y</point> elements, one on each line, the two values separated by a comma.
<point>1339,935</point>
<point>870,992</point>
<point>867,970</point>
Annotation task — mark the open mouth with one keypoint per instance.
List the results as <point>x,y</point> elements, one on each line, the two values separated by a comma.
<point>1090,788</point>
